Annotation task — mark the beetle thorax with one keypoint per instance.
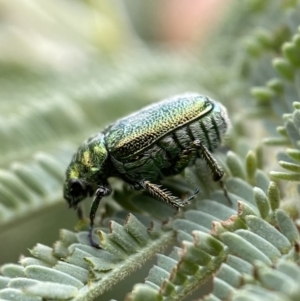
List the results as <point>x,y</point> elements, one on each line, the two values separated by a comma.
<point>90,161</point>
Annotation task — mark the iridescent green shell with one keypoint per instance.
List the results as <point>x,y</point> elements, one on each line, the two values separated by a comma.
<point>131,135</point>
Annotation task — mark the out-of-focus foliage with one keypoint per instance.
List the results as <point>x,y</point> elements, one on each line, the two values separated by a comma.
<point>67,68</point>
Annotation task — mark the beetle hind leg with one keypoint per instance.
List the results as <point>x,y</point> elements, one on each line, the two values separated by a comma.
<point>215,168</point>
<point>166,196</point>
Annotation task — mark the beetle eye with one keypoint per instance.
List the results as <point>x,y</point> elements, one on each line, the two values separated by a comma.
<point>76,188</point>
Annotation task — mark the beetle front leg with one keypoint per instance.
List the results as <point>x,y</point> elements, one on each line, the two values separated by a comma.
<point>166,196</point>
<point>100,192</point>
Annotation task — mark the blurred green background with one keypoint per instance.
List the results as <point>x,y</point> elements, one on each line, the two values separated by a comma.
<point>67,68</point>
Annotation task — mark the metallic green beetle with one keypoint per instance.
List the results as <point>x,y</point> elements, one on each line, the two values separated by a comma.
<point>143,148</point>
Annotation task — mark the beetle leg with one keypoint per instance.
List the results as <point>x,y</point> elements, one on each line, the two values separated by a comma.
<point>217,171</point>
<point>215,168</point>
<point>93,211</point>
<point>100,192</point>
<point>166,196</point>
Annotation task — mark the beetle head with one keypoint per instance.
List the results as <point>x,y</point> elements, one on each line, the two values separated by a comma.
<point>87,171</point>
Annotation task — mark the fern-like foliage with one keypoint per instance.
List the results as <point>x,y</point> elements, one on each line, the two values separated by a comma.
<point>249,247</point>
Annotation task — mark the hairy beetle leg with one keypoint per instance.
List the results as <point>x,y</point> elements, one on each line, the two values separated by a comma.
<point>166,196</point>
<point>215,168</point>
<point>225,191</point>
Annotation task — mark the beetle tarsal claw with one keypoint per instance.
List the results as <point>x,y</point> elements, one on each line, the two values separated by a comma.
<point>191,197</point>
<point>90,235</point>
